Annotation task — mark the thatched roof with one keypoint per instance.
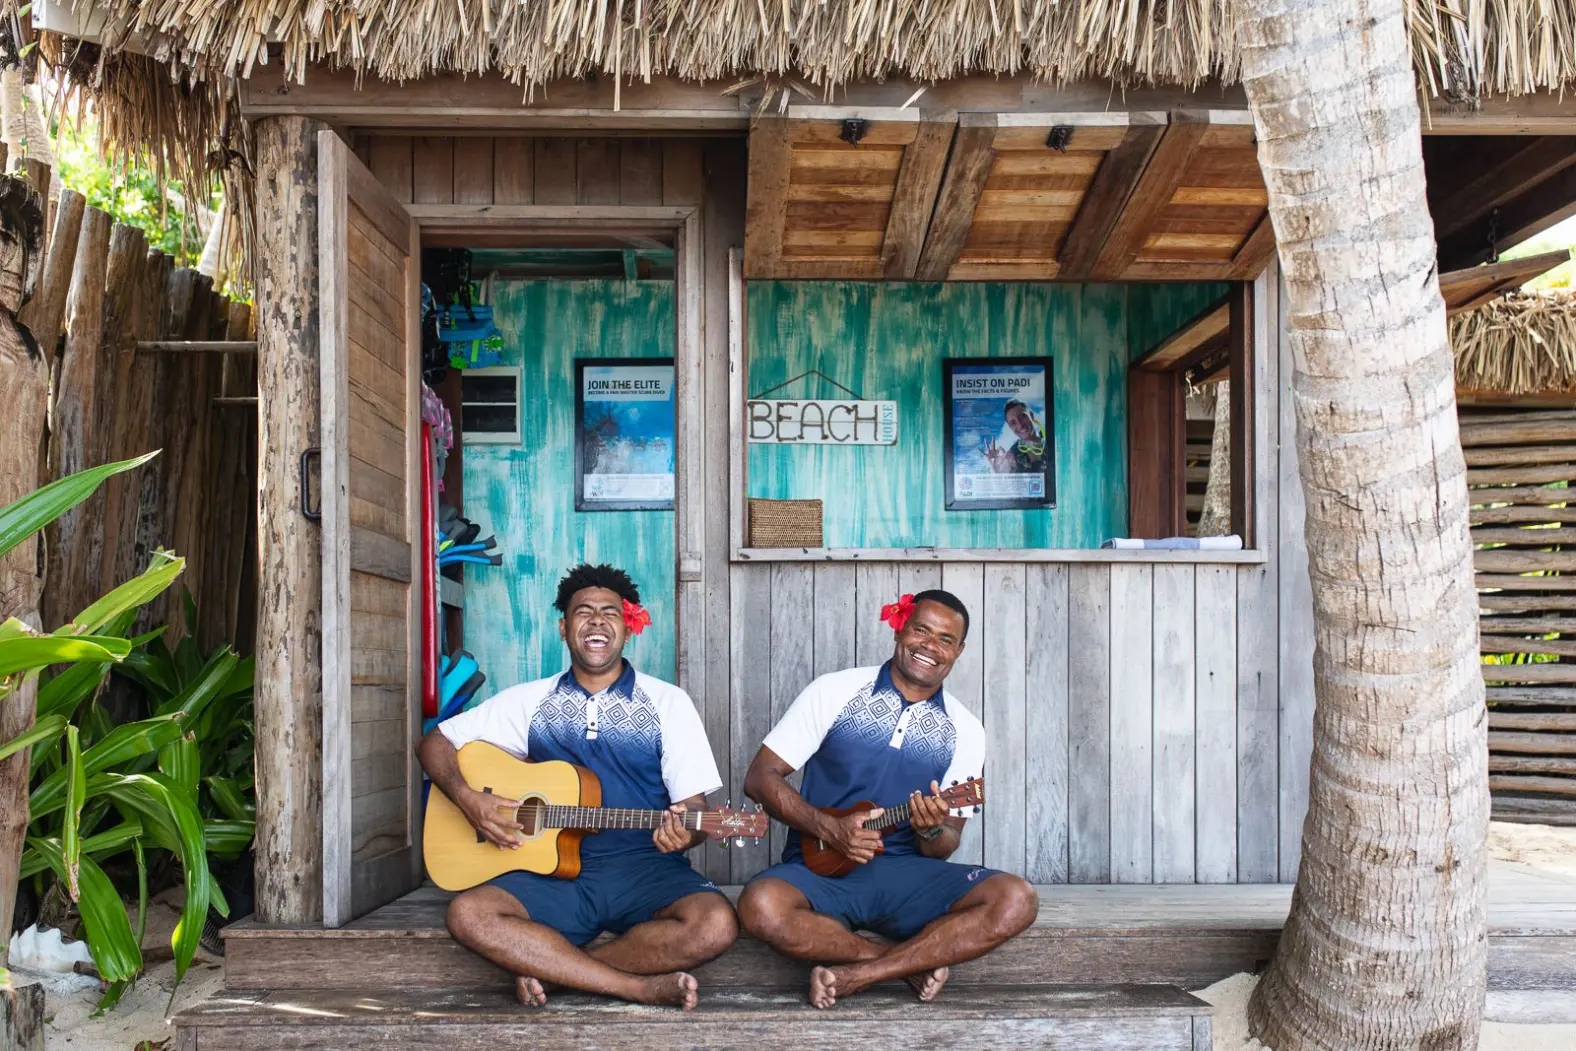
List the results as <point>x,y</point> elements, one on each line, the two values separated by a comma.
<point>1522,343</point>
<point>1461,48</point>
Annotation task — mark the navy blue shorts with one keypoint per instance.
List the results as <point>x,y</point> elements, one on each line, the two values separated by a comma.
<point>894,895</point>
<point>612,893</point>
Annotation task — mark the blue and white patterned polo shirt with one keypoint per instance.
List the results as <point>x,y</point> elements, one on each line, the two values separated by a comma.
<point>857,739</point>
<point>642,737</point>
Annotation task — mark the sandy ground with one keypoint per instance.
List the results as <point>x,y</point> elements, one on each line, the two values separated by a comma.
<point>1516,1022</point>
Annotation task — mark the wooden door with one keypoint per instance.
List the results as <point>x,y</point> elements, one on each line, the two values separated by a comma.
<point>369,289</point>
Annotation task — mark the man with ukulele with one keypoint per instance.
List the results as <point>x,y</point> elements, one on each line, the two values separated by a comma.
<point>644,740</point>
<point>881,735</point>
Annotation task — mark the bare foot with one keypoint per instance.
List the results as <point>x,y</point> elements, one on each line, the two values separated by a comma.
<point>823,987</point>
<point>675,990</point>
<point>927,984</point>
<point>530,991</point>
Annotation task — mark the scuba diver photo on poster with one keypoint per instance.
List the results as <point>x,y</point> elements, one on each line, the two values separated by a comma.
<point>998,433</point>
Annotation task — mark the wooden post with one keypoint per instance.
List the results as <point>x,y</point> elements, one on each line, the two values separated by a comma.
<point>1242,444</point>
<point>120,413</point>
<point>72,548</point>
<point>24,391</point>
<point>289,693</point>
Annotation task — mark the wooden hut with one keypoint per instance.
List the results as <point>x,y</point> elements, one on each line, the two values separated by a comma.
<point>831,202</point>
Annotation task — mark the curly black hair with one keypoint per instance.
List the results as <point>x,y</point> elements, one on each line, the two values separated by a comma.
<point>949,600</point>
<point>587,576</point>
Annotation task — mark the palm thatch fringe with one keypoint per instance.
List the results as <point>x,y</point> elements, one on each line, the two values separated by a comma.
<point>1523,343</point>
<point>1461,48</point>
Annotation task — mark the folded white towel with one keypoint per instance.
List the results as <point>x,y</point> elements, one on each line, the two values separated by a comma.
<point>1177,543</point>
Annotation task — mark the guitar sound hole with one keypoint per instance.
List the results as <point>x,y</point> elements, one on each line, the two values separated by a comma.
<point>533,815</point>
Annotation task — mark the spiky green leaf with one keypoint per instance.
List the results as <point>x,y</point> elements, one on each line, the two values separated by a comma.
<point>24,517</point>
<point>115,952</point>
<point>47,728</point>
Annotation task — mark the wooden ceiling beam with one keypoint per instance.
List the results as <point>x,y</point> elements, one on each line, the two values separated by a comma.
<point>914,198</point>
<point>1156,185</point>
<point>967,169</point>
<point>1208,325</point>
<point>1475,285</point>
<point>1480,188</point>
<point>1517,220</point>
<point>766,210</point>
<point>1256,252</point>
<point>1114,183</point>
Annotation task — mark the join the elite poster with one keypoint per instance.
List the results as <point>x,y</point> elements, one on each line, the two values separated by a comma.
<point>624,434</point>
<point>998,433</point>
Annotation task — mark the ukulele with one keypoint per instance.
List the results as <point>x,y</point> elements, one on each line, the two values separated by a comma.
<point>560,804</point>
<point>823,859</point>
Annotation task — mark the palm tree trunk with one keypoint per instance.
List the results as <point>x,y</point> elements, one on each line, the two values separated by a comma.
<point>1215,519</point>
<point>1385,945</point>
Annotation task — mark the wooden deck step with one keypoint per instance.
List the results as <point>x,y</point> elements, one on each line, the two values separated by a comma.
<point>1189,936</point>
<point>1053,1018</point>
<point>407,946</point>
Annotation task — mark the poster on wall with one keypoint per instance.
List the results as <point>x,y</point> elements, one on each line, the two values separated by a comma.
<point>624,434</point>
<point>998,433</point>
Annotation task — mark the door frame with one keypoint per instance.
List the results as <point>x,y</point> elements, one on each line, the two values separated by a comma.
<point>461,225</point>
<point>496,225</point>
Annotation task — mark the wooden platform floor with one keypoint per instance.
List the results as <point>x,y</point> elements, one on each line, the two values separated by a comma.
<point>1183,935</point>
<point>1055,1018</point>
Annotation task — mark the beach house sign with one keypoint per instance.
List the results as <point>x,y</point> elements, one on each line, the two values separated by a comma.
<point>779,421</point>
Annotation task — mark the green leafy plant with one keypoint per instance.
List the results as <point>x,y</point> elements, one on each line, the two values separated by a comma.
<point>98,789</point>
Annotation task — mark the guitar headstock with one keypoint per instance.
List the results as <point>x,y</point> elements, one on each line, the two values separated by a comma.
<point>970,793</point>
<point>729,823</point>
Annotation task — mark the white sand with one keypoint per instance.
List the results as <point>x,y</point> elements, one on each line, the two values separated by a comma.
<point>1541,846</point>
<point>141,1014</point>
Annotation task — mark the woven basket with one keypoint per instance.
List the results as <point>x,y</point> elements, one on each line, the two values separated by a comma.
<point>785,523</point>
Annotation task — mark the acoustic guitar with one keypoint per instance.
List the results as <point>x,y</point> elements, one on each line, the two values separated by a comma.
<point>560,804</point>
<point>823,859</point>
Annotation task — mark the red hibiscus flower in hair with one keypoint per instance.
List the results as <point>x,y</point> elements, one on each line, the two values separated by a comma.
<point>897,613</point>
<point>636,619</point>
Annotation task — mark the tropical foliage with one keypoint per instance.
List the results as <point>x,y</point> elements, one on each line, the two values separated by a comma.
<point>132,193</point>
<point>168,783</point>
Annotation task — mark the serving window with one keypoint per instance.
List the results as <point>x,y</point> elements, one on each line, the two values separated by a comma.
<point>982,419</point>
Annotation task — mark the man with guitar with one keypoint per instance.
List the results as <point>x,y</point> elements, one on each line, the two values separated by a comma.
<point>873,740</point>
<point>644,741</point>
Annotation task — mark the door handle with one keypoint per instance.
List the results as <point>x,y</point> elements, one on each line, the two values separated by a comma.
<point>306,485</point>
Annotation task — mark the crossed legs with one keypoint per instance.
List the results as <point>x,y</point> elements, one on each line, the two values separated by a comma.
<point>778,913</point>
<point>645,965</point>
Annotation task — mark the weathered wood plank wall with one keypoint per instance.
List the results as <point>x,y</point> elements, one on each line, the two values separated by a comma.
<point>1106,692</point>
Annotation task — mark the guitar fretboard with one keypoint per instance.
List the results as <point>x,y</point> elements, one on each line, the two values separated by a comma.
<point>610,817</point>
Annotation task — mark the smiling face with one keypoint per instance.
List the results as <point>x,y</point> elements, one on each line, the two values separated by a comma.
<point>1020,422</point>
<point>593,629</point>
<point>927,647</point>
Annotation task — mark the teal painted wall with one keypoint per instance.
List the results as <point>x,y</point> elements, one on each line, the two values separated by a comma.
<point>886,341</point>
<point>525,493</point>
<point>1156,311</point>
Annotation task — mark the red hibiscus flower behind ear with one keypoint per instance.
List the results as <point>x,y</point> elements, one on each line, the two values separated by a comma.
<point>636,619</point>
<point>897,613</point>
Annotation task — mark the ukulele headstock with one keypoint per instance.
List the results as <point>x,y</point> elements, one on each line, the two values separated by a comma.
<point>731,823</point>
<point>970,793</point>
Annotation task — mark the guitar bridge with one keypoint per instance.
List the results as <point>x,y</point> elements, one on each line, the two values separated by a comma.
<point>479,837</point>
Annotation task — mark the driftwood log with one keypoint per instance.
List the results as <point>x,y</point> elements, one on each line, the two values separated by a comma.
<point>24,391</point>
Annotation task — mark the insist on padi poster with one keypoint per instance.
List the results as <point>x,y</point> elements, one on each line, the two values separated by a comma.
<point>998,433</point>
<point>624,434</point>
